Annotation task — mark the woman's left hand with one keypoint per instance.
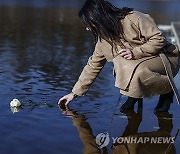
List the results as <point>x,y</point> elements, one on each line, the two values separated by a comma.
<point>127,54</point>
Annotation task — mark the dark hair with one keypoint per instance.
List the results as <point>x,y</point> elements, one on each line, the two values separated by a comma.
<point>103,19</point>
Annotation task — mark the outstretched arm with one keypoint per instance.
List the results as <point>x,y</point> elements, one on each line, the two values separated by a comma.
<point>88,75</point>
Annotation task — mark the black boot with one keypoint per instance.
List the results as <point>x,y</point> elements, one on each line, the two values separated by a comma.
<point>164,103</point>
<point>129,104</point>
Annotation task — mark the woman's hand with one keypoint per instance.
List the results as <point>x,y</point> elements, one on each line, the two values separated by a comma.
<point>65,100</point>
<point>127,54</point>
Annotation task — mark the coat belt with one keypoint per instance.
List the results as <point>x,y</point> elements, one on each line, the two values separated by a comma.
<point>169,73</point>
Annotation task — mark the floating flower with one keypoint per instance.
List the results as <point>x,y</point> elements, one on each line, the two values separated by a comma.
<point>15,103</point>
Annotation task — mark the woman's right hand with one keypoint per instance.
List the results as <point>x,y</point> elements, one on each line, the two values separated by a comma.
<point>127,54</point>
<point>65,100</point>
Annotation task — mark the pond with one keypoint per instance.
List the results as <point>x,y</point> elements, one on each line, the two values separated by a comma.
<point>43,48</point>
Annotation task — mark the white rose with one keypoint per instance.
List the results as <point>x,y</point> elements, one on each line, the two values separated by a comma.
<point>15,103</point>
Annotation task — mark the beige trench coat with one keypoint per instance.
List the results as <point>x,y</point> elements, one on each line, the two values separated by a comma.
<point>143,77</point>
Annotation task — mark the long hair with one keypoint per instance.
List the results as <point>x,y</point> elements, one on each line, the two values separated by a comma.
<point>103,19</point>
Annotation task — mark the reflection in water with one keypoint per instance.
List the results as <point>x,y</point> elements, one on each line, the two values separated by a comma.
<point>15,109</point>
<point>131,131</point>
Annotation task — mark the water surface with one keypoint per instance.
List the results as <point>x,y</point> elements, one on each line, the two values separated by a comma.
<point>43,48</point>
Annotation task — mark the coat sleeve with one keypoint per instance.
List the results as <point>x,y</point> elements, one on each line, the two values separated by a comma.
<point>90,72</point>
<point>154,38</point>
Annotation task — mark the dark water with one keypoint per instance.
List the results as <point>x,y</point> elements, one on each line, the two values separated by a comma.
<point>43,48</point>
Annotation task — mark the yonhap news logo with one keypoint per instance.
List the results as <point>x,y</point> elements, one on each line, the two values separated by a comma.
<point>103,139</point>
<point>143,140</point>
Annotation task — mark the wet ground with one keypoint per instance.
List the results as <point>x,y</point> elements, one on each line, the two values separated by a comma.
<point>43,48</point>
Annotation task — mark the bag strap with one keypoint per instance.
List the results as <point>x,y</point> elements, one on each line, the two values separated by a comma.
<point>169,73</point>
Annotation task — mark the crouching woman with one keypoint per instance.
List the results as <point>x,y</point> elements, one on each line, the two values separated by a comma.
<point>131,40</point>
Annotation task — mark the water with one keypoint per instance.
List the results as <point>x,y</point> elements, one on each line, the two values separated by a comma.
<point>43,48</point>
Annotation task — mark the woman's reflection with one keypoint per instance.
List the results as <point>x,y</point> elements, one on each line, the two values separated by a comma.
<point>131,130</point>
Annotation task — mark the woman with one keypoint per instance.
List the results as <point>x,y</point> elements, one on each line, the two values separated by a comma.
<point>132,41</point>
